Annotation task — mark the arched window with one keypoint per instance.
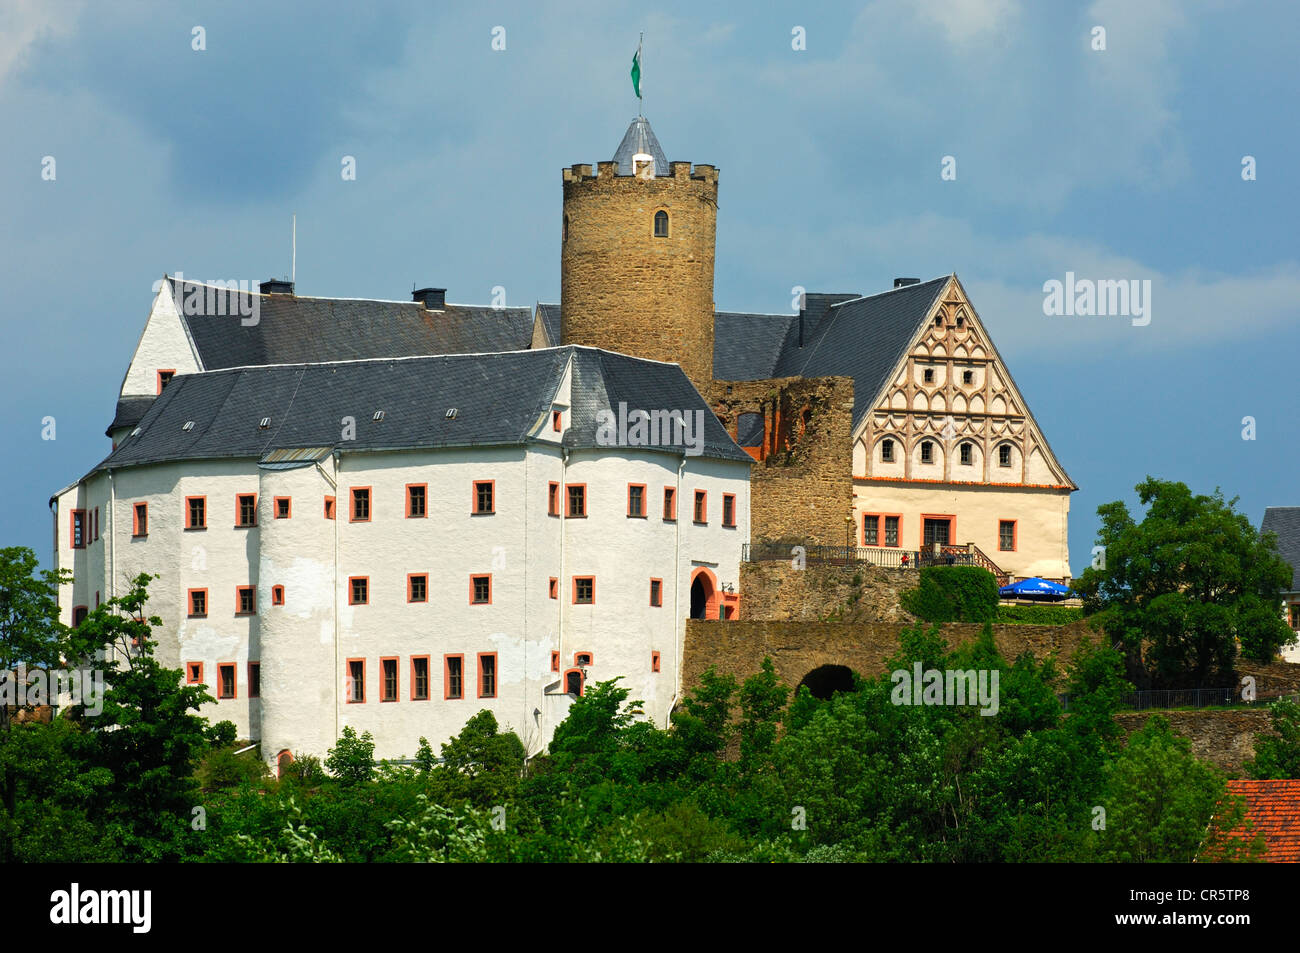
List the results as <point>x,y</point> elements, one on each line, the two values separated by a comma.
<point>282,762</point>
<point>573,682</point>
<point>661,224</point>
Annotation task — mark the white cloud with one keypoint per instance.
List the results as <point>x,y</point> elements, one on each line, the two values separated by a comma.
<point>23,23</point>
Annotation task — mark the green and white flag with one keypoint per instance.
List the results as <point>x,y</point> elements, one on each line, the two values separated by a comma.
<point>636,71</point>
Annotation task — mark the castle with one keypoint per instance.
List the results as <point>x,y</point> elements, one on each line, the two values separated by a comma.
<point>391,514</point>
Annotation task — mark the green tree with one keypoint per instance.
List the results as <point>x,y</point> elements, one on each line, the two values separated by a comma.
<point>1184,586</point>
<point>149,735</point>
<point>30,635</point>
<point>352,759</point>
<point>762,699</point>
<point>1160,800</point>
<point>1278,756</point>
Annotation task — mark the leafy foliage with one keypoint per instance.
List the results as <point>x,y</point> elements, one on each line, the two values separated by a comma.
<point>1038,615</point>
<point>953,594</point>
<point>1181,588</point>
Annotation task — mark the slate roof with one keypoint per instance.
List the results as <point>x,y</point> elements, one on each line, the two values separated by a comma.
<point>130,411</point>
<point>297,330</point>
<point>550,315</point>
<point>843,335</point>
<point>500,398</point>
<point>1285,522</point>
<point>640,138</point>
<point>1272,809</point>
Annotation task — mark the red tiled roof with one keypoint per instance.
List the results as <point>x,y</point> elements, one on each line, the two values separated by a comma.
<point>1272,809</point>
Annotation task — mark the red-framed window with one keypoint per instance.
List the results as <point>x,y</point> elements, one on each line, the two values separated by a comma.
<point>636,500</point>
<point>358,590</point>
<point>729,510</point>
<point>360,511</point>
<point>94,525</point>
<point>701,511</point>
<point>417,500</point>
<point>419,678</point>
<point>389,686</point>
<point>77,529</point>
<point>938,528</point>
<point>254,679</point>
<point>484,501</point>
<point>140,520</point>
<point>417,587</point>
<point>453,676</point>
<point>654,661</point>
<point>282,507</point>
<point>196,512</point>
<point>487,674</point>
<point>882,529</point>
<point>165,377</point>
<point>557,420</point>
<point>329,507</point>
<point>193,673</point>
<point>573,681</point>
<point>584,590</point>
<point>576,496</point>
<point>656,592</point>
<point>553,588</point>
<point>555,661</point>
<point>480,589</point>
<point>355,683</point>
<point>226,687</point>
<point>245,509</point>
<point>245,600</point>
<point>1007,536</point>
<point>277,595</point>
<point>670,504</point>
<point>583,659</point>
<point>198,603</point>
<point>552,499</point>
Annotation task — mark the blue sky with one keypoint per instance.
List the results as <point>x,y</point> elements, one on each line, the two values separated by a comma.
<point>1123,163</point>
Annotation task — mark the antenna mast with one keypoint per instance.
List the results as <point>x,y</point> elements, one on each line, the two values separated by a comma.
<point>293,267</point>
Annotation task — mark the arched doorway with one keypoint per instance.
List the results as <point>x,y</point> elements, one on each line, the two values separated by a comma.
<point>826,680</point>
<point>282,762</point>
<point>704,595</point>
<point>573,681</point>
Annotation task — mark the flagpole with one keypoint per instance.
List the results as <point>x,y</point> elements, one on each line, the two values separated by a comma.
<point>640,100</point>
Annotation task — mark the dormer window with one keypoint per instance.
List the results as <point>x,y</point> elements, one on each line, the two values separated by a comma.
<point>264,423</point>
<point>164,378</point>
<point>661,224</point>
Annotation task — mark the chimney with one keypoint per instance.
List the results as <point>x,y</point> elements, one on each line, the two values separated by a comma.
<point>904,282</point>
<point>433,299</point>
<point>276,286</point>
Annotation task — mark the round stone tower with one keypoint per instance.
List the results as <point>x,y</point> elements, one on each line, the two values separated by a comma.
<point>636,258</point>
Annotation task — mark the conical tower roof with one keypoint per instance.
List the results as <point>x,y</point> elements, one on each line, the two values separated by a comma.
<point>640,138</point>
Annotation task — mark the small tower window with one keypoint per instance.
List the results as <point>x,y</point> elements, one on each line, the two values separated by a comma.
<point>564,234</point>
<point>661,224</point>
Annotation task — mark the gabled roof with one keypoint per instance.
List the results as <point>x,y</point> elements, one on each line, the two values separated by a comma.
<point>499,400</point>
<point>290,329</point>
<point>843,335</point>
<point>550,315</point>
<point>1272,809</point>
<point>1285,522</point>
<point>640,138</point>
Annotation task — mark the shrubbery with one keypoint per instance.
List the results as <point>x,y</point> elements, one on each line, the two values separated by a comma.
<point>953,594</point>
